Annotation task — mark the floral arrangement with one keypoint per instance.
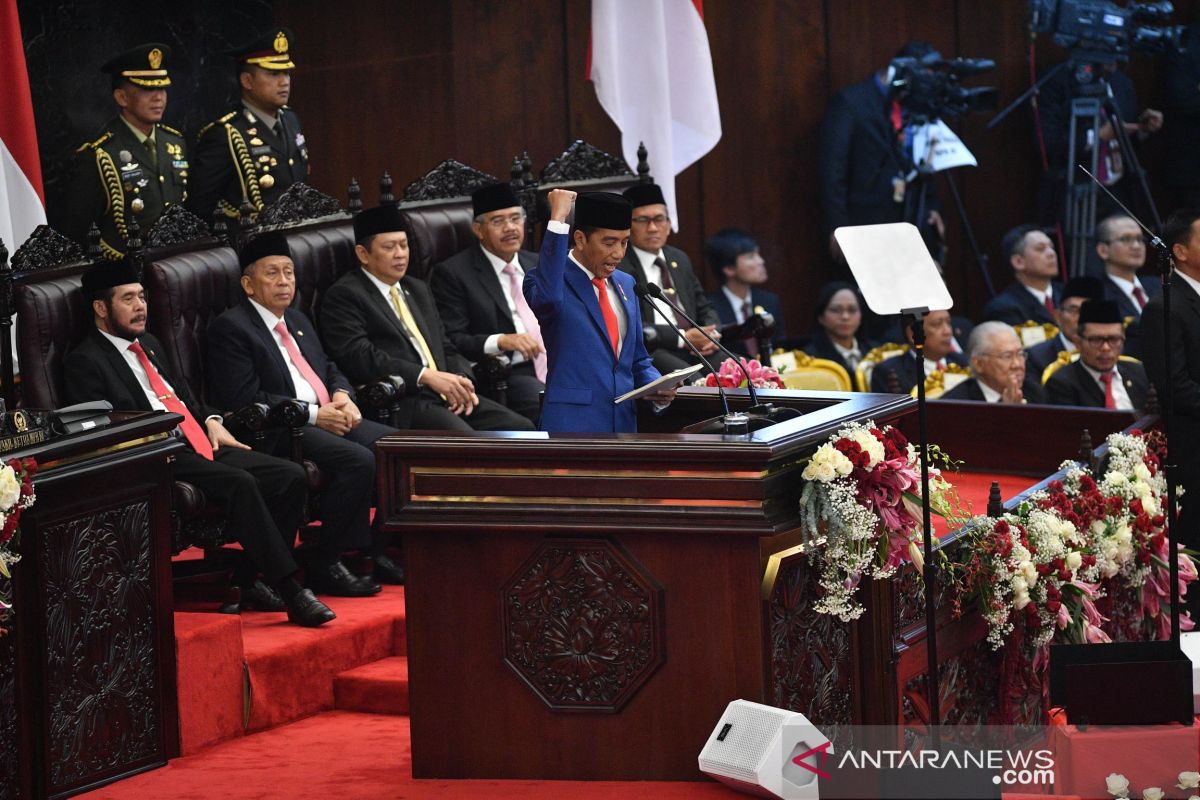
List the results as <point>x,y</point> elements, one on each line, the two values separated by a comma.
<point>730,375</point>
<point>1038,572</point>
<point>862,493</point>
<point>16,495</point>
<point>1118,786</point>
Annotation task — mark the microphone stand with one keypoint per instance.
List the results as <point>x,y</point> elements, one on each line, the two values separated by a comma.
<point>1167,268</point>
<point>735,424</point>
<point>758,410</point>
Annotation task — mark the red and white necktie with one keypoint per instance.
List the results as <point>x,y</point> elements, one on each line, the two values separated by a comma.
<point>191,429</point>
<point>301,363</point>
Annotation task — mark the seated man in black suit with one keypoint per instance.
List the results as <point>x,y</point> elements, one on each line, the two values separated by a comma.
<point>1075,293</point>
<point>650,259</point>
<point>998,367</point>
<point>1122,248</point>
<point>1034,294</point>
<point>263,351</point>
<point>1098,378</point>
<point>478,293</point>
<point>939,335</point>
<point>263,496</point>
<point>377,321</point>
<point>734,258</point>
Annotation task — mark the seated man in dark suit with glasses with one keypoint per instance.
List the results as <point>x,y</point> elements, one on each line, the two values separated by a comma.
<point>1098,378</point>
<point>998,368</point>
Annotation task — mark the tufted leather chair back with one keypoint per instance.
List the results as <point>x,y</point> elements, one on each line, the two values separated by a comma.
<point>321,255</point>
<point>185,293</point>
<point>52,318</point>
<point>437,230</point>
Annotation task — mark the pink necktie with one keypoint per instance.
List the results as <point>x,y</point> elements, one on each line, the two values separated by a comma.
<point>301,364</point>
<point>191,429</point>
<point>1140,296</point>
<point>528,319</point>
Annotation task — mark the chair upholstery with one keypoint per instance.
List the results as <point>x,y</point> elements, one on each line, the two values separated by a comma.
<point>322,255</point>
<point>52,317</point>
<point>938,383</point>
<point>1031,332</point>
<point>439,229</point>
<point>862,375</point>
<point>799,370</point>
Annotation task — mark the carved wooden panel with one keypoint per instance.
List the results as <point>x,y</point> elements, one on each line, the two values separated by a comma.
<point>583,624</point>
<point>45,248</point>
<point>581,161</point>
<point>300,202</point>
<point>448,179</point>
<point>100,671</point>
<point>176,226</point>
<point>810,652</point>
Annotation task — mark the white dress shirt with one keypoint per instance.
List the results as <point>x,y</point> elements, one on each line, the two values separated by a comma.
<point>1040,295</point>
<point>1120,396</point>
<point>653,274</point>
<point>1127,288</point>
<point>304,389</point>
<point>139,372</point>
<point>491,345</point>
<point>737,303</point>
<point>385,289</point>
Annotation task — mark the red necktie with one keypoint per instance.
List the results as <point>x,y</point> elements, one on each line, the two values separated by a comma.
<point>610,316</point>
<point>191,429</point>
<point>301,364</point>
<point>1140,296</point>
<point>1049,303</point>
<point>897,118</point>
<point>1107,378</point>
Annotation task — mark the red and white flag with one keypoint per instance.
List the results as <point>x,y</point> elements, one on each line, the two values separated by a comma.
<point>22,205</point>
<point>653,74</point>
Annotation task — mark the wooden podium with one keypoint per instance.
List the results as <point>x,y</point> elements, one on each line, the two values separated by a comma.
<point>585,606</point>
<point>87,675</point>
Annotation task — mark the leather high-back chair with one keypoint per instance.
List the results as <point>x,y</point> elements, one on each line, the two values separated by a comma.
<point>321,255</point>
<point>52,318</point>
<point>437,230</point>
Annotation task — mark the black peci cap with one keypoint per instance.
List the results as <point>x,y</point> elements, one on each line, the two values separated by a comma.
<point>1103,312</point>
<point>645,194</point>
<point>381,219</point>
<point>603,210</point>
<point>493,197</point>
<point>262,246</point>
<point>108,274</point>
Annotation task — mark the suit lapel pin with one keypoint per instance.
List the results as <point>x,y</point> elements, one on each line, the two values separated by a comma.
<point>674,265</point>
<point>621,291</point>
<point>299,333</point>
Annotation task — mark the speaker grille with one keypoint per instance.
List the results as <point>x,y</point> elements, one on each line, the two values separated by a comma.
<point>752,729</point>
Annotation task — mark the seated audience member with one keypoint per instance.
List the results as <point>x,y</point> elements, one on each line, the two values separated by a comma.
<point>263,351</point>
<point>1034,294</point>
<point>377,321</point>
<point>478,293</point>
<point>1098,378</point>
<point>650,259</point>
<point>938,337</point>
<point>1122,249</point>
<point>740,269</point>
<point>997,367</point>
<point>1076,292</point>
<point>262,496</point>
<point>839,332</point>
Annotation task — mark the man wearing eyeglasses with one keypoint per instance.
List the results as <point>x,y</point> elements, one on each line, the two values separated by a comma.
<point>478,293</point>
<point>650,259</point>
<point>998,367</point>
<point>1122,249</point>
<point>1098,378</point>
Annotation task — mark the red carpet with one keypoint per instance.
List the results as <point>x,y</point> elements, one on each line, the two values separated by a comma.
<point>973,488</point>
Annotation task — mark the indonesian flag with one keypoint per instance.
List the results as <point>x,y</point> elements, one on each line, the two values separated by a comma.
<point>22,206</point>
<point>653,74</point>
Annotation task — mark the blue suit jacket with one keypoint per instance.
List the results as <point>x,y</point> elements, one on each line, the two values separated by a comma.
<point>583,377</point>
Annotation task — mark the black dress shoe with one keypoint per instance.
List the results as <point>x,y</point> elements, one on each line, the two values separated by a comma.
<point>262,597</point>
<point>334,579</point>
<point>305,609</point>
<point>388,571</point>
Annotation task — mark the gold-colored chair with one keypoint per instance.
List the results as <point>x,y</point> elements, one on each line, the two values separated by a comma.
<point>1065,358</point>
<point>1031,332</point>
<point>799,370</point>
<point>938,383</point>
<point>862,374</point>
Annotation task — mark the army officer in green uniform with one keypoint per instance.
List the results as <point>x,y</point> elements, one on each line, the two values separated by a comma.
<point>257,150</point>
<point>137,167</point>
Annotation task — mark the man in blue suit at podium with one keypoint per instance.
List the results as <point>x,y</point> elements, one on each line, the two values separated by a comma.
<point>590,317</point>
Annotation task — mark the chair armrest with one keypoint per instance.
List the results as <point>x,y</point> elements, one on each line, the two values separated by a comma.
<point>380,395</point>
<point>291,414</point>
<point>250,419</point>
<point>493,368</point>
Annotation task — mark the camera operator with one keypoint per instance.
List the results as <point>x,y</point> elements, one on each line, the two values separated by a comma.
<point>1181,162</point>
<point>865,161</point>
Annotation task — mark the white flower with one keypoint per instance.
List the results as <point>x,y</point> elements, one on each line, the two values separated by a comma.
<point>1142,473</point>
<point>1074,560</point>
<point>1153,793</point>
<point>1117,479</point>
<point>1098,528</point>
<point>1020,600</point>
<point>1117,785</point>
<point>1150,505</point>
<point>1123,534</point>
<point>1029,570</point>
<point>10,488</point>
<point>1189,780</point>
<point>826,472</point>
<point>870,445</point>
<point>1019,585</point>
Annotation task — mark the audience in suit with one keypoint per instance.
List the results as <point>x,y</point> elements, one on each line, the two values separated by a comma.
<point>997,368</point>
<point>1098,378</point>
<point>1033,294</point>
<point>590,317</point>
<point>650,259</point>
<point>478,293</point>
<point>378,321</point>
<point>734,258</point>
<point>262,496</point>
<point>938,337</point>
<point>266,352</point>
<point>1075,293</point>
<point>1122,249</point>
<point>838,335</point>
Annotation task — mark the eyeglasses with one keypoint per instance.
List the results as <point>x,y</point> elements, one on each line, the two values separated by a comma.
<point>1008,356</point>
<point>511,219</point>
<point>1100,341</point>
<point>657,219</point>
<point>1129,239</point>
<point>838,311</point>
<point>1072,309</point>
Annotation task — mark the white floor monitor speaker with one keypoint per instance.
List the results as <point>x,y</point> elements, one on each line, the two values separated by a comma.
<point>766,751</point>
